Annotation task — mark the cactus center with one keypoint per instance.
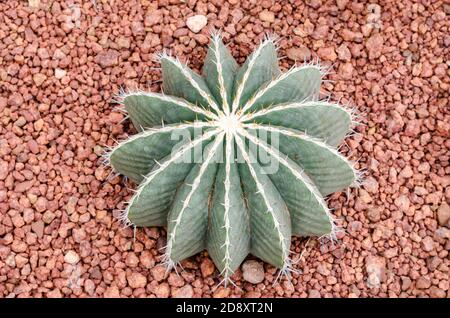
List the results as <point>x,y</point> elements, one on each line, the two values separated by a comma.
<point>229,123</point>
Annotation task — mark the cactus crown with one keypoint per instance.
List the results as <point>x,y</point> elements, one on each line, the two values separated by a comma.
<point>267,157</point>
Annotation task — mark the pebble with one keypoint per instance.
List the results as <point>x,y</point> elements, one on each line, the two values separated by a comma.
<point>313,293</point>
<point>107,58</point>
<point>344,53</point>
<point>41,204</point>
<point>375,268</point>
<point>207,267</point>
<point>374,46</point>
<point>196,23</point>
<point>48,217</point>
<point>39,79</point>
<point>267,16</point>
<point>423,283</point>
<point>253,271</point>
<point>112,292</point>
<point>184,292</point>
<point>436,292</point>
<point>428,244</point>
<point>59,73</point>
<point>443,214</point>
<point>136,280</point>
<point>327,54</point>
<point>71,257</point>
<point>300,54</point>
<point>38,228</point>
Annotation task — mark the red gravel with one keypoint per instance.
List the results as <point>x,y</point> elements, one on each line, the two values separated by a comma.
<point>61,65</point>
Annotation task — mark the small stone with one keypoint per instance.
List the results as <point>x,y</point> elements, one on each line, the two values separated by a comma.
<point>402,202</point>
<point>71,257</point>
<point>55,293</point>
<point>137,28</point>
<point>79,235</point>
<point>375,268</point>
<point>428,244</point>
<point>112,292</point>
<point>443,214</point>
<point>136,280</point>
<point>115,117</point>
<point>207,267</point>
<point>427,70</point>
<point>41,204</point>
<point>32,198</point>
<point>391,252</point>
<point>327,53</point>
<point>34,3</point>
<point>412,128</point>
<point>301,53</point>
<point>89,287</point>
<point>153,18</point>
<point>20,122</point>
<point>196,22</point>
<point>365,196</point>
<point>23,186</point>
<point>423,283</point>
<point>38,228</point>
<point>253,271</point>
<point>406,172</point>
<point>71,205</point>
<point>131,260</point>
<point>221,292</point>
<point>180,32</point>
<point>406,283</point>
<point>3,169</point>
<point>184,292</point>
<point>344,53</point>
<point>175,280</point>
<point>15,100</point>
<point>59,73</point>
<point>436,292</point>
<point>147,260</point>
<point>348,35</point>
<point>158,273</point>
<point>48,217</point>
<point>39,78</point>
<point>18,246</point>
<point>33,146</point>
<point>346,71</point>
<point>162,290</point>
<point>10,260</point>
<point>107,58</point>
<point>267,16</point>
<point>313,293</point>
<point>374,46</point>
<point>201,39</point>
<point>123,42</point>
<point>38,124</point>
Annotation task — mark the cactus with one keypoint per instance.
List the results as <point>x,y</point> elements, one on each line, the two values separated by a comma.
<point>230,202</point>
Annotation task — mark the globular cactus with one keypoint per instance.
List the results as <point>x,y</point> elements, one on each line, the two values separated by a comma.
<point>231,202</point>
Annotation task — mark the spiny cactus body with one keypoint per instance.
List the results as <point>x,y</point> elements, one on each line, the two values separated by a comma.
<point>268,157</point>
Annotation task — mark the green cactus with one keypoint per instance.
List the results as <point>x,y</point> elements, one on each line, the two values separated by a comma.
<point>231,202</point>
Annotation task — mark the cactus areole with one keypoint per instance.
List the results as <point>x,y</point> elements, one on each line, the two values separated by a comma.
<point>235,161</point>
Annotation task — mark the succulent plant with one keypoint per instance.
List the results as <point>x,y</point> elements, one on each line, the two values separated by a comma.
<point>268,157</point>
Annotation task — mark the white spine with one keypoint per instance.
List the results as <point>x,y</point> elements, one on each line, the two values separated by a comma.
<point>194,187</point>
<point>246,75</point>
<point>164,165</point>
<point>270,210</point>
<point>193,83</point>
<point>223,91</point>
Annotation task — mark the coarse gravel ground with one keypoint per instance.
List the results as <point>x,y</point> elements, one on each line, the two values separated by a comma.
<point>61,62</point>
